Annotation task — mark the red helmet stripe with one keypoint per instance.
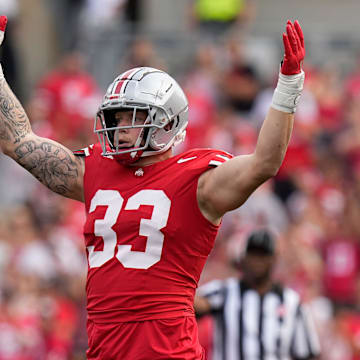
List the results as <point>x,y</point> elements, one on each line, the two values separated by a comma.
<point>126,76</point>
<point>118,87</point>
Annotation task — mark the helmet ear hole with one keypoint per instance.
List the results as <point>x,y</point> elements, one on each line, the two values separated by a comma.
<point>168,127</point>
<point>172,124</point>
<point>176,121</point>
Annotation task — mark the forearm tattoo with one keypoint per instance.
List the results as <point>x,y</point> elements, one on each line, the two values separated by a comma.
<point>50,163</point>
<point>14,124</point>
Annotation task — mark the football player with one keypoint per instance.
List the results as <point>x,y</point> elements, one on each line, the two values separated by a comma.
<point>152,217</point>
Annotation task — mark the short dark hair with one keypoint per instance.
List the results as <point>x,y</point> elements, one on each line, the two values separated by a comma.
<point>260,241</point>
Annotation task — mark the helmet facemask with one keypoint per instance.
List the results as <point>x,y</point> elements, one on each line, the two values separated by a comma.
<point>108,131</point>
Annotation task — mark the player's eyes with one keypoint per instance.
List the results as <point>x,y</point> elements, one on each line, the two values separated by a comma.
<point>139,121</point>
<point>120,120</point>
<point>113,122</point>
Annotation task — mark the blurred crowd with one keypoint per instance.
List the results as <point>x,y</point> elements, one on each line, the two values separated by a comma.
<point>313,204</point>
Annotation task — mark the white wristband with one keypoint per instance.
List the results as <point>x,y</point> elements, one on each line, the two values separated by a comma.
<point>1,73</point>
<point>288,91</point>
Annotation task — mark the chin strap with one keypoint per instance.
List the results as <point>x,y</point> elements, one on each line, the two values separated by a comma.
<point>129,157</point>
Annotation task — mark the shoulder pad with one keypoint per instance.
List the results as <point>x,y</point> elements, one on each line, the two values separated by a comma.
<point>83,152</point>
<point>219,157</point>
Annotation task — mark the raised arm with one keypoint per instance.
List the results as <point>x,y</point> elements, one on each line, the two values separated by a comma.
<point>51,163</point>
<point>228,186</point>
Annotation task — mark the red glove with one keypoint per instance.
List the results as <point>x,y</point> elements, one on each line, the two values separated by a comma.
<point>294,49</point>
<point>3,21</point>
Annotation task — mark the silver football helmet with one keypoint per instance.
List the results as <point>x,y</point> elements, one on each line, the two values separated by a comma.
<point>143,89</point>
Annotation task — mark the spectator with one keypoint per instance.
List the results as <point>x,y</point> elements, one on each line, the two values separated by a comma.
<point>142,52</point>
<point>65,14</point>
<point>216,19</point>
<point>342,267</point>
<point>105,35</point>
<point>239,83</point>
<point>69,97</point>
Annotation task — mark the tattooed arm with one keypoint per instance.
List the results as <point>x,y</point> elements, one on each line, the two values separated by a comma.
<point>51,163</point>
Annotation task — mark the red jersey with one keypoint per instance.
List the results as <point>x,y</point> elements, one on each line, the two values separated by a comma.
<point>146,239</point>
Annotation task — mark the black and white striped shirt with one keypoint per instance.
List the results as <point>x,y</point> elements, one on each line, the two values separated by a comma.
<point>275,326</point>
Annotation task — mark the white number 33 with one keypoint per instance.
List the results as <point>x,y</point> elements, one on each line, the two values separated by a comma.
<point>148,227</point>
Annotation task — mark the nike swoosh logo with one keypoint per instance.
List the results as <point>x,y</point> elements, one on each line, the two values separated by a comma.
<point>182,160</point>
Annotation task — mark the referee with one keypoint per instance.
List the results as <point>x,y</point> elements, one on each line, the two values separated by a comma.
<point>255,318</point>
